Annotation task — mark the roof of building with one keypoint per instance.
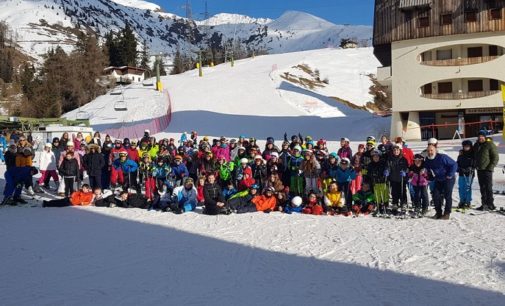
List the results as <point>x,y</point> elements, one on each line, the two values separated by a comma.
<point>125,70</point>
<point>409,4</point>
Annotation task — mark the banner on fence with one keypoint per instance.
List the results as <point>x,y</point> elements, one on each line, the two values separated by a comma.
<point>503,99</point>
<point>136,129</point>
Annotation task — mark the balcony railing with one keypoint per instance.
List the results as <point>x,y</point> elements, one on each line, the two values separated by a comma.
<point>460,96</point>
<point>460,61</point>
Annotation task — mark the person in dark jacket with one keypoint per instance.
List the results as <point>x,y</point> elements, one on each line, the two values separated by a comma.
<point>441,169</point>
<point>69,170</point>
<point>376,176</point>
<point>93,164</point>
<point>398,167</point>
<point>466,172</point>
<point>133,200</point>
<point>214,199</point>
<point>10,156</point>
<point>15,179</point>
<point>486,158</point>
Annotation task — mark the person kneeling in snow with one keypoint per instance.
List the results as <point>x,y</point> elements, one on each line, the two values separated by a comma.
<point>266,202</point>
<point>313,207</point>
<point>334,201</point>
<point>83,197</point>
<point>15,179</point>
<point>295,206</point>
<point>364,200</point>
<point>214,199</point>
<point>184,197</point>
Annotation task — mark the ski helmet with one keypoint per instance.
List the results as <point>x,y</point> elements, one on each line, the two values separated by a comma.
<point>432,141</point>
<point>297,201</point>
<point>418,157</point>
<point>370,138</point>
<point>345,161</point>
<point>244,161</point>
<point>376,152</point>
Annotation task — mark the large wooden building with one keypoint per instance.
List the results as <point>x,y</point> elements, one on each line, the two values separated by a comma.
<point>444,61</point>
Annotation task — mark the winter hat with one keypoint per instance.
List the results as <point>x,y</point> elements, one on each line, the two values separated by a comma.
<point>258,157</point>
<point>345,139</point>
<point>297,148</point>
<point>376,152</point>
<point>274,154</point>
<point>399,140</point>
<point>432,141</point>
<point>397,145</point>
<point>270,140</point>
<point>345,161</point>
<point>483,133</point>
<point>244,161</point>
<point>466,143</point>
<point>189,181</point>
<point>70,144</point>
<point>255,186</point>
<point>334,155</point>
<point>418,157</point>
<point>297,201</point>
<point>178,157</point>
<point>147,131</point>
<point>361,146</point>
<point>241,148</point>
<point>269,189</point>
<point>48,145</point>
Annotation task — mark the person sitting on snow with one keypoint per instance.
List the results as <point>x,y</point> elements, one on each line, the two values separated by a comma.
<point>185,197</point>
<point>363,200</point>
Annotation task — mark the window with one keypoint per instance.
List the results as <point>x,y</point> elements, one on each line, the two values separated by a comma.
<point>475,85</point>
<point>474,52</point>
<point>428,89</point>
<point>423,22</point>
<point>446,19</point>
<point>426,56</point>
<point>444,87</point>
<point>444,54</point>
<point>471,16</point>
<point>408,16</point>
<point>495,14</point>
<point>493,50</point>
<point>494,85</point>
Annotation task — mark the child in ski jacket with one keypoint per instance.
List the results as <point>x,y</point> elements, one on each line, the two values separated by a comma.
<point>313,207</point>
<point>334,201</point>
<point>345,175</point>
<point>363,200</point>
<point>466,172</point>
<point>419,181</point>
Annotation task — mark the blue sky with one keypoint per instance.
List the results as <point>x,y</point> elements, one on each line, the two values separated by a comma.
<point>336,11</point>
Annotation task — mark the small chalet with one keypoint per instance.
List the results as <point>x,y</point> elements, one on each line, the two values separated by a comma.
<point>125,74</point>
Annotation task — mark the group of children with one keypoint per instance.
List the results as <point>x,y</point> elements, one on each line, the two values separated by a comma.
<point>236,176</point>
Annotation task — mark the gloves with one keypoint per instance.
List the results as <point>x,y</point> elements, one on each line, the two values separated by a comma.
<point>386,173</point>
<point>403,173</point>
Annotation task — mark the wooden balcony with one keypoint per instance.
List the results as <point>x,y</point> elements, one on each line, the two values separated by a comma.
<point>460,96</point>
<point>460,61</point>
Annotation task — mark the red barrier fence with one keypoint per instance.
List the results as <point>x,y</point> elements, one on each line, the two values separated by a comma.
<point>136,129</point>
<point>471,128</point>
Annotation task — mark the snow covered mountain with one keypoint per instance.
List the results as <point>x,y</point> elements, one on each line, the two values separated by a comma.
<point>225,18</point>
<point>41,24</point>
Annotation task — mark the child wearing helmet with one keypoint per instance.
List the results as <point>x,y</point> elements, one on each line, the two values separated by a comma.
<point>345,175</point>
<point>377,177</point>
<point>294,206</point>
<point>397,167</point>
<point>161,171</point>
<point>419,181</point>
<point>466,171</point>
<point>128,168</point>
<point>296,183</point>
<point>345,150</point>
<point>266,202</point>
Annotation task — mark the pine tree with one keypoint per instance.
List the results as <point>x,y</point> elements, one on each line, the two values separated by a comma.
<point>144,61</point>
<point>178,63</point>
<point>128,47</point>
